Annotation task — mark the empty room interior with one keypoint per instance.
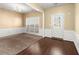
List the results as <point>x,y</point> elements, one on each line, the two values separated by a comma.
<point>39,28</point>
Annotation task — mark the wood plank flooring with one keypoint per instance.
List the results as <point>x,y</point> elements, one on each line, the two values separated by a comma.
<point>11,45</point>
<point>50,46</point>
<point>29,44</point>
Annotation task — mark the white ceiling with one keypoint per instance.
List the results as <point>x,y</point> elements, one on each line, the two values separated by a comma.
<point>18,7</point>
<point>48,5</point>
<point>24,8</point>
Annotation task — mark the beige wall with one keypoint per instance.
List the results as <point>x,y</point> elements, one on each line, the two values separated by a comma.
<point>10,19</point>
<point>69,13</point>
<point>35,14</point>
<point>77,18</point>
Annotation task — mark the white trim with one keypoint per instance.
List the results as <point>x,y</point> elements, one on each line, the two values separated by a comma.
<point>47,33</point>
<point>57,31</point>
<point>69,35</point>
<point>43,25</point>
<point>77,41</point>
<point>10,31</point>
<point>40,33</point>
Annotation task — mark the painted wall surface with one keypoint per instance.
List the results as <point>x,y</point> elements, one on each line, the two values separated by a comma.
<point>77,18</point>
<point>10,19</point>
<point>69,15</point>
<point>31,14</point>
<point>11,31</point>
<point>10,23</point>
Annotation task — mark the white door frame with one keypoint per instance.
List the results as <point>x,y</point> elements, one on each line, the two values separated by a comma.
<point>61,35</point>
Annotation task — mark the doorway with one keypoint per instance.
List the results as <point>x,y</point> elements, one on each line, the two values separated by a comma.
<point>57,25</point>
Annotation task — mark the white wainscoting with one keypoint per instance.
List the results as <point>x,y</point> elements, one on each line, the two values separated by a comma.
<point>40,33</point>
<point>10,31</point>
<point>77,41</point>
<point>69,35</point>
<point>47,32</point>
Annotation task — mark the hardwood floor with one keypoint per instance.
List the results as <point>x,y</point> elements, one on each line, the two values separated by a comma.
<point>11,45</point>
<point>29,44</point>
<point>50,46</point>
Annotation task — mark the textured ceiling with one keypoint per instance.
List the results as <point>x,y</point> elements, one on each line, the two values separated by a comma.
<point>18,7</point>
<point>24,8</point>
<point>48,5</point>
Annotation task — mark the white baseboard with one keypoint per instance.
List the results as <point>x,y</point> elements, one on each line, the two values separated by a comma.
<point>40,33</point>
<point>69,35</point>
<point>47,33</point>
<point>77,41</point>
<point>10,31</point>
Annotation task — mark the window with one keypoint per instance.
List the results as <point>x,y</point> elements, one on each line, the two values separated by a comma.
<point>32,24</point>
